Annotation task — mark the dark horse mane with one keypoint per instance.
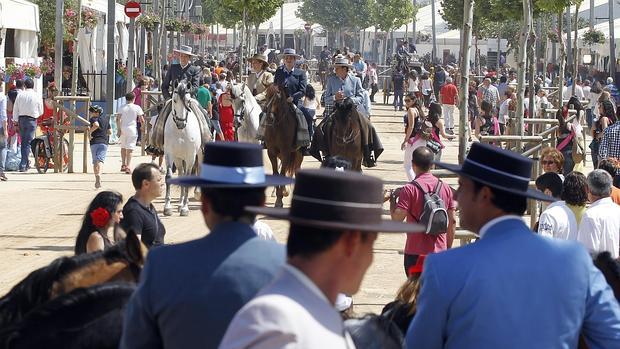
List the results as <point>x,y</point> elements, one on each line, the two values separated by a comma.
<point>83,318</point>
<point>344,109</point>
<point>36,288</point>
<point>611,270</point>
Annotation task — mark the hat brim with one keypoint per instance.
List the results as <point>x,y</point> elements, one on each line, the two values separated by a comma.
<point>288,54</point>
<point>530,193</point>
<point>342,65</point>
<point>195,181</point>
<point>184,52</point>
<point>385,226</point>
<point>258,59</point>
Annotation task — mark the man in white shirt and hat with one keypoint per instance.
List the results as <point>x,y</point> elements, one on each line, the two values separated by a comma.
<point>333,229</point>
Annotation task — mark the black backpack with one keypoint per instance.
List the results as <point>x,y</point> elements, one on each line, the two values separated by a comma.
<point>434,214</point>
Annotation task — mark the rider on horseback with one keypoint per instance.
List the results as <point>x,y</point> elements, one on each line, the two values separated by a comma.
<point>293,80</point>
<point>182,71</point>
<point>403,56</point>
<point>260,79</point>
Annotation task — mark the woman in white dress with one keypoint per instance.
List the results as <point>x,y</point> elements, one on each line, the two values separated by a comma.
<point>414,117</point>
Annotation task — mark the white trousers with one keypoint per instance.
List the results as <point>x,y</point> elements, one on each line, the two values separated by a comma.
<point>409,148</point>
<point>448,115</point>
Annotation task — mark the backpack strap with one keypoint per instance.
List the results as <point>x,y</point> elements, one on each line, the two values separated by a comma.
<point>437,187</point>
<point>418,186</point>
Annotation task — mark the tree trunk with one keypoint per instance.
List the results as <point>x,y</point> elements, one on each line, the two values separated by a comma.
<point>74,68</point>
<point>532,68</point>
<point>363,41</point>
<point>464,132</point>
<point>561,61</point>
<point>575,55</point>
<point>525,33</point>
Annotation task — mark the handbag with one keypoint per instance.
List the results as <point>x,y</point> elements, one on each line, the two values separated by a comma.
<point>433,145</point>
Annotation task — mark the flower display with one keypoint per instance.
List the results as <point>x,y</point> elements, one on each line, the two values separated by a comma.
<point>22,71</point>
<point>173,24</point>
<point>149,21</point>
<point>199,28</point>
<point>88,20</point>
<point>100,217</point>
<point>186,26</point>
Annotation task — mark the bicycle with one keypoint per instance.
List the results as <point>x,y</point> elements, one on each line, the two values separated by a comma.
<point>43,151</point>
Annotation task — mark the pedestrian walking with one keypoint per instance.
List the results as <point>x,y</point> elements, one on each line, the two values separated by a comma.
<point>611,166</point>
<point>373,78</point>
<point>137,92</point>
<point>606,116</point>
<point>496,273</point>
<point>26,110</point>
<point>426,87</point>
<point>561,219</point>
<point>449,96</point>
<point>189,292</point>
<point>127,118</point>
<point>100,132</point>
<point>104,213</point>
<point>599,229</point>
<point>398,86</point>
<point>414,119</point>
<point>139,214</point>
<point>14,139</point>
<point>411,206</point>
<point>610,143</point>
<point>333,229</point>
<point>4,132</point>
<point>227,116</point>
<point>438,129</point>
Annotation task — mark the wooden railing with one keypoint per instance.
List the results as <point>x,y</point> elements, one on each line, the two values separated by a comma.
<point>59,110</point>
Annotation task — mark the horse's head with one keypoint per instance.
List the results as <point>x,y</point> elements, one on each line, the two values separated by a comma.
<point>276,96</point>
<point>180,104</point>
<point>344,109</point>
<point>122,262</point>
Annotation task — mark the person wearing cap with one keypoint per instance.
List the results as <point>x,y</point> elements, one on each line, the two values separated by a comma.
<point>260,79</point>
<point>512,288</point>
<point>333,227</point>
<point>189,292</point>
<point>183,70</point>
<point>100,132</point>
<point>292,79</point>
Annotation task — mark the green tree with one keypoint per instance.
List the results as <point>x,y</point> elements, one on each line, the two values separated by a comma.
<point>47,19</point>
<point>330,14</point>
<point>392,14</point>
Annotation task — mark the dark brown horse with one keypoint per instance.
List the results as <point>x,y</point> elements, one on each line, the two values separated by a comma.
<point>280,137</point>
<point>120,263</point>
<point>345,136</point>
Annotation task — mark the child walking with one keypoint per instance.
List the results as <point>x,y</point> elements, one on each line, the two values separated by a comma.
<point>128,132</point>
<point>99,138</point>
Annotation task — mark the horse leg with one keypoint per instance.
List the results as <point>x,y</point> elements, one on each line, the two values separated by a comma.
<point>184,208</point>
<point>167,204</point>
<point>273,157</point>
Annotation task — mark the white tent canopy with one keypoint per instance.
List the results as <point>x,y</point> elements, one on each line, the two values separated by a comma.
<point>22,17</point>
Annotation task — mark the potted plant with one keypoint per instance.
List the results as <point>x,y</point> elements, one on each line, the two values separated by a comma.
<point>173,24</point>
<point>31,71</point>
<point>199,28</point>
<point>186,26</point>
<point>149,21</point>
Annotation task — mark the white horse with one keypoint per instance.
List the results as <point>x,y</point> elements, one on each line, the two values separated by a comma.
<point>247,110</point>
<point>182,143</point>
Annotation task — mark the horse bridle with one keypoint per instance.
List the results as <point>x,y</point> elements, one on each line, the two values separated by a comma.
<point>181,122</point>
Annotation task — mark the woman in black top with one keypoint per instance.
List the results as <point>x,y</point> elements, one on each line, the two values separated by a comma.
<point>606,117</point>
<point>104,212</point>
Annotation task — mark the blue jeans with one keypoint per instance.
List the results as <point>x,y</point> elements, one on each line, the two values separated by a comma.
<point>3,149</point>
<point>27,127</point>
<point>398,99</point>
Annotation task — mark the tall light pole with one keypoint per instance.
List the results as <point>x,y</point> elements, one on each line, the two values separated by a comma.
<point>282,28</point>
<point>612,42</point>
<point>434,51</point>
<point>468,19</point>
<point>110,68</point>
<point>58,43</point>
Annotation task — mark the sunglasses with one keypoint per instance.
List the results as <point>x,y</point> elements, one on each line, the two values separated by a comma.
<point>548,162</point>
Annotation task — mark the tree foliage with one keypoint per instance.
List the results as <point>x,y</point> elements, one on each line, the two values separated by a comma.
<point>47,19</point>
<point>391,14</point>
<point>328,13</point>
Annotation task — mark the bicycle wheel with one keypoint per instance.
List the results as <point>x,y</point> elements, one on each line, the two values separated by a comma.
<point>41,161</point>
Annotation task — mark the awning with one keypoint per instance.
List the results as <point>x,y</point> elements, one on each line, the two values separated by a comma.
<point>19,14</point>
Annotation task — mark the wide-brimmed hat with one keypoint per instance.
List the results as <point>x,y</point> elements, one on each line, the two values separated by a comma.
<point>498,168</point>
<point>330,199</point>
<point>259,57</point>
<point>185,49</point>
<point>289,52</point>
<point>341,61</point>
<point>232,165</point>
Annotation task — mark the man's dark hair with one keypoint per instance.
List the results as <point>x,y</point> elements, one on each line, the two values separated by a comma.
<point>505,201</point>
<point>19,83</point>
<point>423,158</point>
<point>503,78</point>
<point>231,202</point>
<point>307,241</point>
<point>29,83</point>
<point>609,166</point>
<point>142,172</point>
<point>574,189</point>
<point>551,181</point>
<point>335,162</point>
<point>130,96</point>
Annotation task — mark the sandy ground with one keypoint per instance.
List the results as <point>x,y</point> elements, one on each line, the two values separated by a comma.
<point>41,213</point>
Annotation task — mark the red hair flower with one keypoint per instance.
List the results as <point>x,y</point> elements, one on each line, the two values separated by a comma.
<point>100,217</point>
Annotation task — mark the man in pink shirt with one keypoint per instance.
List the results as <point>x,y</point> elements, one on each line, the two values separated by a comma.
<point>411,203</point>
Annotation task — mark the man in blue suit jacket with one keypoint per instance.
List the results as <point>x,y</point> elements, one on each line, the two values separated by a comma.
<point>512,288</point>
<point>188,293</point>
<point>292,79</point>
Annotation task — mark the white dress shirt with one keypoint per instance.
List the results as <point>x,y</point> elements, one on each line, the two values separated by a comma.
<point>599,229</point>
<point>291,312</point>
<point>558,221</point>
<point>28,103</point>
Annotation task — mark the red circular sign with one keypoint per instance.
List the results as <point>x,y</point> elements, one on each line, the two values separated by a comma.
<point>132,9</point>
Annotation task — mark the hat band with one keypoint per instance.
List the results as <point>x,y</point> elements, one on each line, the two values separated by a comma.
<point>335,211</point>
<point>232,175</point>
<point>337,203</point>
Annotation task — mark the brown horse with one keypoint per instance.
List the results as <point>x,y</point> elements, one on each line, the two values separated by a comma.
<point>345,135</point>
<point>280,134</point>
<point>120,263</point>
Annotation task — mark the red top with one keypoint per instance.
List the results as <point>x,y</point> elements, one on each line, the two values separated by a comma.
<point>448,94</point>
<point>48,114</point>
<point>411,201</point>
<point>227,118</point>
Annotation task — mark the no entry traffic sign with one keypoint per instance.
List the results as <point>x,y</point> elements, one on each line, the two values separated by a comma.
<point>132,9</point>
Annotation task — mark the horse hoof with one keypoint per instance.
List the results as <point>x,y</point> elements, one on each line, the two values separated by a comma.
<point>285,192</point>
<point>167,211</point>
<point>184,212</point>
<point>278,205</point>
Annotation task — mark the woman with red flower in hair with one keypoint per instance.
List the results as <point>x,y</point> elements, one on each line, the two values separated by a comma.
<point>104,212</point>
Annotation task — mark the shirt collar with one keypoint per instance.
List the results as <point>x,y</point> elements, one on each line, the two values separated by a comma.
<point>305,280</point>
<point>601,201</point>
<point>485,228</point>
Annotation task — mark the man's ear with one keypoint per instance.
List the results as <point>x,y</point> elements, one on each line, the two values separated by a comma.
<point>350,241</point>
<point>547,192</point>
